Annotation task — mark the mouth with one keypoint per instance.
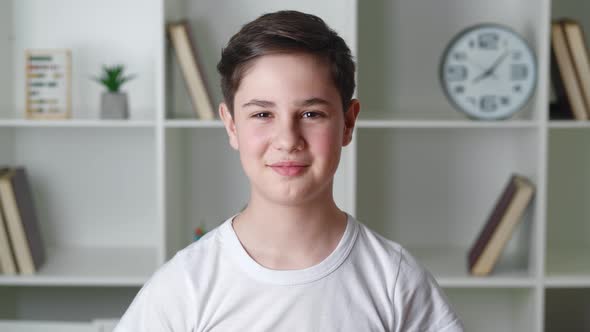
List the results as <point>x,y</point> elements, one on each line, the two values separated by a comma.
<point>289,168</point>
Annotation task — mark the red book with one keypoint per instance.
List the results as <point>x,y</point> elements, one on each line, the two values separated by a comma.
<point>498,229</point>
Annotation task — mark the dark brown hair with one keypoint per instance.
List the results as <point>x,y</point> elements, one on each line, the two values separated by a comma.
<point>286,31</point>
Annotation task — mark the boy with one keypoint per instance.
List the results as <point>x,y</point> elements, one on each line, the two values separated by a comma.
<point>291,260</point>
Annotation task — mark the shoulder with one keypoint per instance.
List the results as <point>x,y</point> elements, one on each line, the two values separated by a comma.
<point>167,300</point>
<point>175,277</point>
<point>163,303</point>
<point>375,247</point>
<point>183,261</point>
<point>406,266</point>
<point>418,302</point>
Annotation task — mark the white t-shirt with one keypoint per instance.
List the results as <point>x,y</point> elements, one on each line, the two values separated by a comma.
<point>368,283</point>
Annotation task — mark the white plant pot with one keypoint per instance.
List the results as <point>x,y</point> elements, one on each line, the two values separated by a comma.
<point>113,105</point>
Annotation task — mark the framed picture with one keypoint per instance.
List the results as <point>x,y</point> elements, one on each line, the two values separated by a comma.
<point>48,83</point>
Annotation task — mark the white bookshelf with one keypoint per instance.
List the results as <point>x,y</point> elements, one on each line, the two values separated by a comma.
<point>76,123</point>
<point>118,198</point>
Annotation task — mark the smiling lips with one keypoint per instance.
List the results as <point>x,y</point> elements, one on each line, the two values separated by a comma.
<point>289,168</point>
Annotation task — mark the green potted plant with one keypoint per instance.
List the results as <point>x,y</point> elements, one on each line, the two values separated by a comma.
<point>113,102</point>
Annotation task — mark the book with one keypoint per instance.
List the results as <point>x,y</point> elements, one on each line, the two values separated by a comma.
<point>566,71</point>
<point>498,229</point>
<point>21,220</point>
<point>559,106</point>
<point>579,52</point>
<point>184,48</point>
<point>7,261</point>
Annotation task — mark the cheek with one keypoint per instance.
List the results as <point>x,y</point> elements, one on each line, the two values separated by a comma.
<point>326,142</point>
<point>252,141</point>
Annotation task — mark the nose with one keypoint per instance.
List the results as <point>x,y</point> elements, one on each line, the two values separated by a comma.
<point>288,136</point>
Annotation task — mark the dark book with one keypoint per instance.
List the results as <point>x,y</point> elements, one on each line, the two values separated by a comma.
<point>579,53</point>
<point>493,221</point>
<point>566,71</point>
<point>498,229</point>
<point>21,219</point>
<point>184,48</point>
<point>559,106</point>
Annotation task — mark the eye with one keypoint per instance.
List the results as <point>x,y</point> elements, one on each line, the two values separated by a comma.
<point>312,114</point>
<point>261,115</point>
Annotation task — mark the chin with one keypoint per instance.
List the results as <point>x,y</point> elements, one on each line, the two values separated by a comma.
<point>292,195</point>
<point>290,198</point>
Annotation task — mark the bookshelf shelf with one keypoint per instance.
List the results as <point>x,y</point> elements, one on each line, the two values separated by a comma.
<point>77,123</point>
<point>124,196</point>
<point>193,124</point>
<point>515,282</point>
<point>453,124</point>
<point>582,282</point>
<point>439,114</point>
<point>449,267</point>
<point>73,266</point>
<point>565,124</point>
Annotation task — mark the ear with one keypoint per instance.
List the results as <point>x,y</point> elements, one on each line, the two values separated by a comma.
<point>350,117</point>
<point>230,125</point>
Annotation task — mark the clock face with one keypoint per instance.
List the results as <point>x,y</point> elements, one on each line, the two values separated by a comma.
<point>488,72</point>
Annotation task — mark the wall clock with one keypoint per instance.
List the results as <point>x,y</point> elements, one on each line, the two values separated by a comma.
<point>488,72</point>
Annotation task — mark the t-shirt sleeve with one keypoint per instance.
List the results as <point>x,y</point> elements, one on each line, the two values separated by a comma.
<point>165,303</point>
<point>420,305</point>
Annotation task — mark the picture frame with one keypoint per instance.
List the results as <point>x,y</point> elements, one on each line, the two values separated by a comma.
<point>48,82</point>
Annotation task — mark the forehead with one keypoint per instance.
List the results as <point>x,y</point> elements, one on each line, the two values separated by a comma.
<point>286,77</point>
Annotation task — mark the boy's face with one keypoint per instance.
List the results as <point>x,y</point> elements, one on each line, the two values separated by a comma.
<point>289,127</point>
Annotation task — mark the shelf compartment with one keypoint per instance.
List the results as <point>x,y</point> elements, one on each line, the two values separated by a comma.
<point>34,24</point>
<point>483,310</point>
<point>568,211</point>
<point>449,267</point>
<point>567,309</point>
<point>91,188</point>
<point>65,304</point>
<point>425,189</point>
<point>90,267</point>
<point>397,73</point>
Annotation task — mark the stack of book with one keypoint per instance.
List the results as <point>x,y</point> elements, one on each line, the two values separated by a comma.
<point>21,248</point>
<point>570,71</point>
<point>501,223</point>
<point>184,47</point>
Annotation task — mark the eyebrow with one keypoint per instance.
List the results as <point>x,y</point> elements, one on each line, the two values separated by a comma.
<point>260,103</point>
<point>304,103</point>
<point>312,102</point>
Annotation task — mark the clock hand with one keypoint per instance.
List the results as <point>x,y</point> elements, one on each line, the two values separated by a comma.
<point>498,62</point>
<point>480,67</point>
<point>483,75</point>
<point>491,71</point>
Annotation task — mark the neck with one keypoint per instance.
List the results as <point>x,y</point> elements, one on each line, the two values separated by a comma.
<point>290,237</point>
